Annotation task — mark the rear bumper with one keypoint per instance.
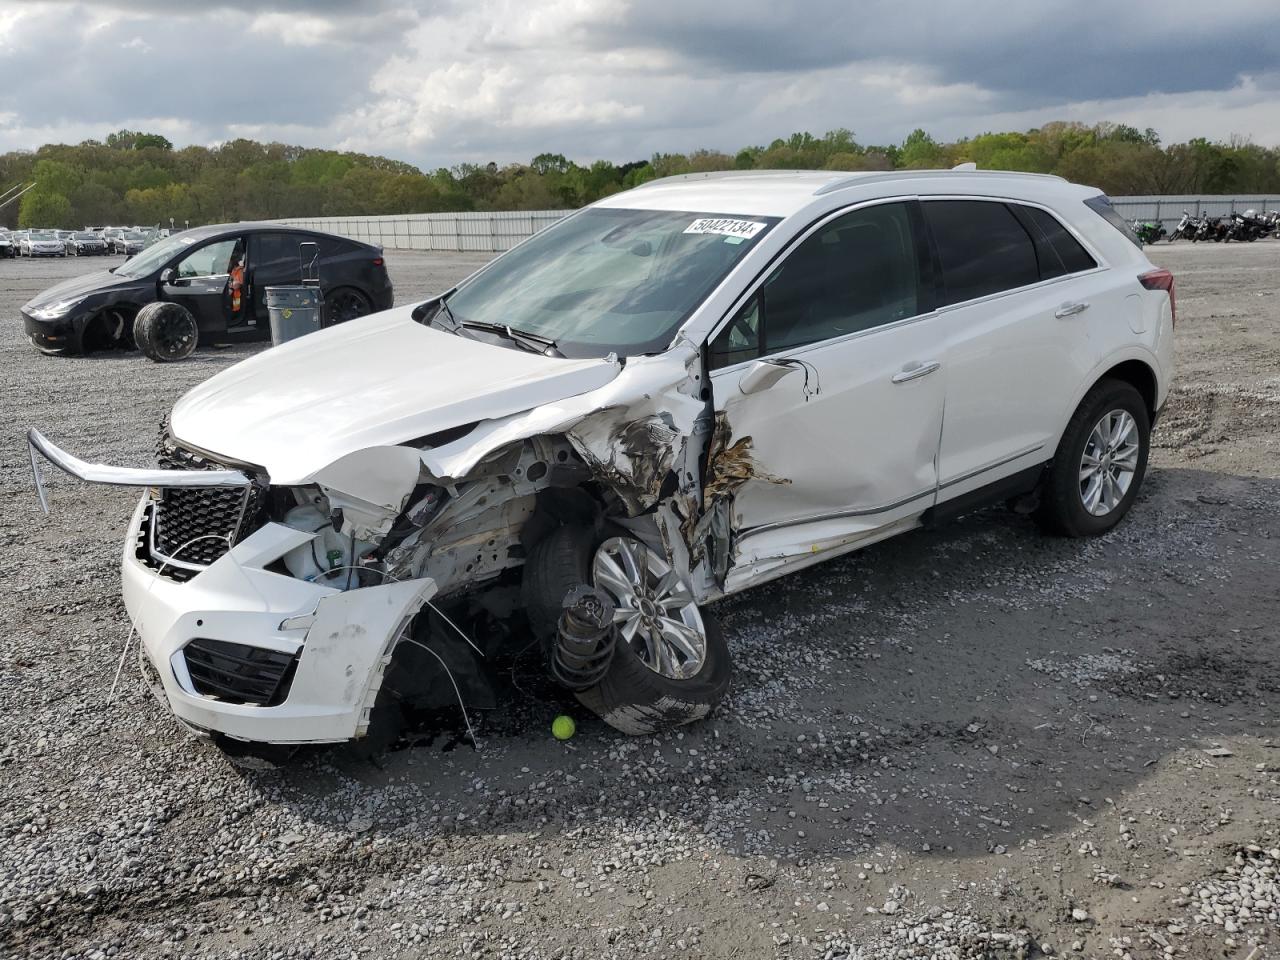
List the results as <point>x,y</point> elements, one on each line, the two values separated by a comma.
<point>342,640</point>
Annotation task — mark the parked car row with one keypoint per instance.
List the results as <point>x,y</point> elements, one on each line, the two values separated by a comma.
<point>91,241</point>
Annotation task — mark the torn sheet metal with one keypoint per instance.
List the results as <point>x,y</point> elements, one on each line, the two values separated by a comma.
<point>370,487</point>
<point>632,444</point>
<point>730,464</point>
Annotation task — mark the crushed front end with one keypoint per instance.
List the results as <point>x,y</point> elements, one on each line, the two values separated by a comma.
<point>247,625</point>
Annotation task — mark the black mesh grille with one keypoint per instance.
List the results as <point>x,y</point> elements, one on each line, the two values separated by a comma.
<point>199,524</point>
<point>239,673</point>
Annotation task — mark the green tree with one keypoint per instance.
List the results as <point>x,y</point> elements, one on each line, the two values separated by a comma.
<point>43,208</point>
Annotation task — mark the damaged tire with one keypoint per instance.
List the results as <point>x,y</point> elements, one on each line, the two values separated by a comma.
<point>165,332</point>
<point>671,665</point>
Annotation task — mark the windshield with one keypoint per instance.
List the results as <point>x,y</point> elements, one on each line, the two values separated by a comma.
<point>153,257</point>
<point>86,236</point>
<point>42,235</point>
<point>609,281</point>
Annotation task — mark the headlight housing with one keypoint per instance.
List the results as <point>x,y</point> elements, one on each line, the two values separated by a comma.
<point>54,310</point>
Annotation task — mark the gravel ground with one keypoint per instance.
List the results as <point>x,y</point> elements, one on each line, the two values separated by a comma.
<point>973,742</point>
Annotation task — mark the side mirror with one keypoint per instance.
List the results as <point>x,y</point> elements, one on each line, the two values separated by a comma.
<point>169,276</point>
<point>762,375</point>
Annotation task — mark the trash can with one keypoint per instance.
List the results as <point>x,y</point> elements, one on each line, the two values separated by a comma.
<point>294,311</point>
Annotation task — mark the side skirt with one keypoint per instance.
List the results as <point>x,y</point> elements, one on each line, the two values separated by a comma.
<point>1006,488</point>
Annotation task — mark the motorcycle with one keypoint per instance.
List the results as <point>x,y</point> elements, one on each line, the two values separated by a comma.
<point>1149,231</point>
<point>1248,227</point>
<point>1211,228</point>
<point>1186,228</point>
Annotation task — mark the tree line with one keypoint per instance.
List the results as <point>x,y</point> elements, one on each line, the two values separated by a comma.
<point>137,177</point>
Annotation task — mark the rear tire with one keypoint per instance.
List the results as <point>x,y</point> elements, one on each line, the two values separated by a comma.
<point>165,332</point>
<point>343,304</point>
<point>1096,473</point>
<point>633,697</point>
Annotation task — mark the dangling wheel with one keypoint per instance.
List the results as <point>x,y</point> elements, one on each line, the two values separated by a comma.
<point>165,332</point>
<point>671,664</point>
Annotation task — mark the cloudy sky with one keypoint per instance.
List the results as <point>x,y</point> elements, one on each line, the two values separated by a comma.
<point>436,82</point>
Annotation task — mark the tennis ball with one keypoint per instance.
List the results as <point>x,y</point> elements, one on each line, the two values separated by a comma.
<point>562,727</point>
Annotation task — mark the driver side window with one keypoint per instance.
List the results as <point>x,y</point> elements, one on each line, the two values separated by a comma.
<point>858,271</point>
<point>211,260</point>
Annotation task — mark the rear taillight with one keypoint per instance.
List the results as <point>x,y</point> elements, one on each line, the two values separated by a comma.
<point>1161,280</point>
<point>377,261</point>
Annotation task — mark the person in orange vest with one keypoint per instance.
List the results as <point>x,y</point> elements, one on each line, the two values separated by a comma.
<point>236,286</point>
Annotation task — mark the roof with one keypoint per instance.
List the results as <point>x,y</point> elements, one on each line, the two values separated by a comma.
<point>255,226</point>
<point>781,193</point>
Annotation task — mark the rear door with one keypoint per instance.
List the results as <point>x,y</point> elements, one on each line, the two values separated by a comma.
<point>1015,292</point>
<point>273,260</point>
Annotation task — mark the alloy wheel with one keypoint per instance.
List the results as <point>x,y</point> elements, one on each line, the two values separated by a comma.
<point>1109,462</point>
<point>344,305</point>
<point>656,614</point>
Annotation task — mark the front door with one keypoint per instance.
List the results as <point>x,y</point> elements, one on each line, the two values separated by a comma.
<point>828,394</point>
<point>202,282</point>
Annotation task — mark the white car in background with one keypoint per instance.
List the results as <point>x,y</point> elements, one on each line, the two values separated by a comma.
<point>41,243</point>
<point>680,392</point>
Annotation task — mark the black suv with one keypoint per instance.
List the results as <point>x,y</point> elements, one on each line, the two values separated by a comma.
<point>217,274</point>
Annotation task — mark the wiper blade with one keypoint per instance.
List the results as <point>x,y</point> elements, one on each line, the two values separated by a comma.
<point>441,310</point>
<point>530,341</point>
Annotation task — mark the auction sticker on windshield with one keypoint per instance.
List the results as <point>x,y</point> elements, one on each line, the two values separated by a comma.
<point>726,227</point>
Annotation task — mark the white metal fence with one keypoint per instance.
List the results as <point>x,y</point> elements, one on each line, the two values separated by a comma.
<point>481,232</point>
<point>501,230</point>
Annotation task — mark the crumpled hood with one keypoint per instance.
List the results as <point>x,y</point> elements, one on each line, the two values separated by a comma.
<point>79,287</point>
<point>380,380</point>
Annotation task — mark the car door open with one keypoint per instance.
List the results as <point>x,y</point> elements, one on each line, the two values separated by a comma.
<point>828,395</point>
<point>201,282</point>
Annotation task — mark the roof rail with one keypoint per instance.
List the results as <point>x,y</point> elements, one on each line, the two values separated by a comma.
<point>723,175</point>
<point>858,179</point>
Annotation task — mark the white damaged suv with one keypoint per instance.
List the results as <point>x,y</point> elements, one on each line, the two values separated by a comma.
<point>672,395</point>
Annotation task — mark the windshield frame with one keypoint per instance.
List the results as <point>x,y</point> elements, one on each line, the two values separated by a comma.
<point>660,343</point>
<point>172,247</point>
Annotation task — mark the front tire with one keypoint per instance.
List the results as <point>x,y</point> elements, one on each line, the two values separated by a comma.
<point>671,665</point>
<point>1100,463</point>
<point>165,332</point>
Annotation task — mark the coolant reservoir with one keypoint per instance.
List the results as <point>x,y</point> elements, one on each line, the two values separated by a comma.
<point>327,551</point>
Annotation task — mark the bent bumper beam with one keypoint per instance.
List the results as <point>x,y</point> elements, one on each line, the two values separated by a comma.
<point>121,476</point>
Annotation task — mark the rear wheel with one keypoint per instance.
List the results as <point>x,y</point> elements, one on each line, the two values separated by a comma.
<point>671,664</point>
<point>165,332</point>
<point>1101,461</point>
<point>345,304</point>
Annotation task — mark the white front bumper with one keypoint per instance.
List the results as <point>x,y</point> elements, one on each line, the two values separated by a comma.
<point>345,637</point>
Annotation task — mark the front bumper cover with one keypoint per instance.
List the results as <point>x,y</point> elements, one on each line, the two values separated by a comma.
<point>344,639</point>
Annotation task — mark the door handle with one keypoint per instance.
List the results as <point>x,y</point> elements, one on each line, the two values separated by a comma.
<point>1071,309</point>
<point>916,371</point>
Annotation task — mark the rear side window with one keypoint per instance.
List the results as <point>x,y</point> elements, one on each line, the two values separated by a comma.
<point>982,246</point>
<point>1058,251</point>
<point>1103,208</point>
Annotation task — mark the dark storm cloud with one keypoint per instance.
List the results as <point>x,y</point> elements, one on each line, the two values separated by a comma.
<point>1028,52</point>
